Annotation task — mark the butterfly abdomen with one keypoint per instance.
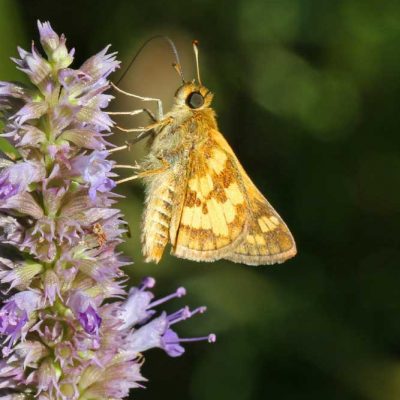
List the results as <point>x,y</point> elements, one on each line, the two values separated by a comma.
<point>157,217</point>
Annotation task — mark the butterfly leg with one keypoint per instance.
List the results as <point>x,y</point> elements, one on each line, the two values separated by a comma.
<point>141,129</point>
<point>160,113</point>
<point>144,129</point>
<point>144,174</point>
<point>136,166</point>
<point>134,112</point>
<point>129,143</point>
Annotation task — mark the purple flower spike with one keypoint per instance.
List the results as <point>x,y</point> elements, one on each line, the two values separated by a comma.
<point>69,329</point>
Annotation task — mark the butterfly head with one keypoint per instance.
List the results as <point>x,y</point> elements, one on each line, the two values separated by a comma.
<point>194,96</point>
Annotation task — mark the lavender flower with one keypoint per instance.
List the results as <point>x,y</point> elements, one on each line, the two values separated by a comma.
<point>15,315</point>
<point>63,336</point>
<point>17,177</point>
<point>95,171</point>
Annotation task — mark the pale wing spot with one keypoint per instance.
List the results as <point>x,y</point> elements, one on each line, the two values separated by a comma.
<point>230,211</point>
<point>196,220</point>
<point>251,239</point>
<point>274,220</point>
<point>206,185</point>
<point>218,223</point>
<point>208,245</point>
<point>187,215</point>
<point>222,241</point>
<point>263,225</point>
<point>217,161</point>
<point>270,225</point>
<point>234,194</point>
<point>260,240</point>
<point>195,187</point>
<point>205,222</point>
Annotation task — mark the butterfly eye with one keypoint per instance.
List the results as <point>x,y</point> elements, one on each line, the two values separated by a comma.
<point>195,100</point>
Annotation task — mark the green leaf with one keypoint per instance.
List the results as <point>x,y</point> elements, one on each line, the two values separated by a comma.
<point>8,149</point>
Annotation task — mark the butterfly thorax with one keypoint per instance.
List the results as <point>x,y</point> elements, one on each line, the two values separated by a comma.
<point>189,121</point>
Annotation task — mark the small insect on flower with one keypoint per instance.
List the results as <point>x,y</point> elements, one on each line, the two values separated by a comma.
<point>100,234</point>
<point>199,197</point>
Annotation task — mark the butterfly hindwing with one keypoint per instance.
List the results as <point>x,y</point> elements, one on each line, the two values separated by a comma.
<point>268,239</point>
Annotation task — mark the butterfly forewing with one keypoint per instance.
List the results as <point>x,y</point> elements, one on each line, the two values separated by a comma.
<point>224,215</point>
<point>213,217</point>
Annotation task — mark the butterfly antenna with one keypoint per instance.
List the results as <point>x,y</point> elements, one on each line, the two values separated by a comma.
<point>178,69</point>
<point>196,55</point>
<point>173,48</point>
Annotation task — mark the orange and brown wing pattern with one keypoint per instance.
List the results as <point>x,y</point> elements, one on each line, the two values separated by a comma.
<point>268,239</point>
<point>225,216</point>
<point>214,213</point>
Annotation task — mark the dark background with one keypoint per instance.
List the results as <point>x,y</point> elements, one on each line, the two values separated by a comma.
<point>307,93</point>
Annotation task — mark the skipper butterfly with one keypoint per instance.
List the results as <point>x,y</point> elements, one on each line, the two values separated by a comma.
<point>198,196</point>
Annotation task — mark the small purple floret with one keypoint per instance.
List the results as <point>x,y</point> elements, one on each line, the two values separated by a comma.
<point>138,307</point>
<point>12,319</point>
<point>7,188</point>
<point>170,343</point>
<point>90,320</point>
<point>16,178</point>
<point>86,312</point>
<point>15,314</point>
<point>95,170</point>
<point>156,332</point>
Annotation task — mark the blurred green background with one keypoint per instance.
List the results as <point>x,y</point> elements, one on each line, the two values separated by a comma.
<point>307,93</point>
